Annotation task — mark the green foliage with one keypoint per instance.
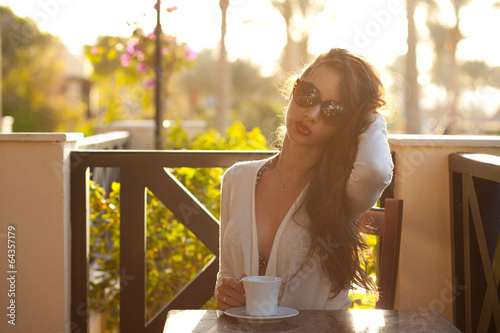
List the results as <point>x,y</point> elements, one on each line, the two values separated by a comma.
<point>105,55</point>
<point>104,278</point>
<point>123,72</point>
<point>371,257</point>
<point>359,298</point>
<point>33,78</point>
<point>173,254</point>
<point>236,139</point>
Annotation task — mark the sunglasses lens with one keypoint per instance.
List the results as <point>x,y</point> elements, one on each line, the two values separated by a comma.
<point>331,112</point>
<point>305,94</point>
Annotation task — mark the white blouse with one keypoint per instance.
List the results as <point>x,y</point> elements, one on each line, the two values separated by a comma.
<point>310,288</point>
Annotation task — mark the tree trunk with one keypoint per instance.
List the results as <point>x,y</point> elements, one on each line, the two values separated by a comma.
<point>158,83</point>
<point>1,78</point>
<point>413,119</point>
<point>288,55</point>
<point>223,89</point>
<point>454,88</point>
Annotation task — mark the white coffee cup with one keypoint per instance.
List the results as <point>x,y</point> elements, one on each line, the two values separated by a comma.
<point>261,295</point>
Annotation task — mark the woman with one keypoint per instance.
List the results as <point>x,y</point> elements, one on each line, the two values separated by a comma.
<point>295,214</point>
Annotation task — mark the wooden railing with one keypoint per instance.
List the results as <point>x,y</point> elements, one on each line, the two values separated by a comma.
<point>138,170</point>
<point>475,228</point>
<point>115,140</point>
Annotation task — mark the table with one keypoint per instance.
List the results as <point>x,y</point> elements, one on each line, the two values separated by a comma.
<point>214,321</point>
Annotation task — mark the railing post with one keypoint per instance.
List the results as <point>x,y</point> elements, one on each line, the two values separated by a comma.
<point>79,248</point>
<point>132,251</point>
<point>35,203</point>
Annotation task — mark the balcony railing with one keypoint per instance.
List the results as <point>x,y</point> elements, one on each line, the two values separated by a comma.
<point>138,170</point>
<point>110,140</point>
<point>113,141</point>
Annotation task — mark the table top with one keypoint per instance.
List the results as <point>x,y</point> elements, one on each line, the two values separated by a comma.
<point>215,321</point>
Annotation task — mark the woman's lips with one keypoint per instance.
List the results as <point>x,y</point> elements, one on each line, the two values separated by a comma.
<point>302,129</point>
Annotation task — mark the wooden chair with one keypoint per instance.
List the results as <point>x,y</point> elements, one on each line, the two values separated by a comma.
<point>386,223</point>
<point>475,241</point>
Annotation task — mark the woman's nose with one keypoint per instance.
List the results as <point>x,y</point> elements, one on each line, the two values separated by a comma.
<point>314,112</point>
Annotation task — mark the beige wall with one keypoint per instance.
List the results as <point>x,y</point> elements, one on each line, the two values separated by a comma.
<point>422,181</point>
<point>34,198</point>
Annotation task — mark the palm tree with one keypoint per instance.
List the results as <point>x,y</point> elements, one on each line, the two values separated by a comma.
<point>285,9</point>
<point>223,90</point>
<point>413,120</point>
<point>299,17</point>
<point>446,70</point>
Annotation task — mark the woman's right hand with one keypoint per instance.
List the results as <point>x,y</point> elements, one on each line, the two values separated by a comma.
<point>230,293</point>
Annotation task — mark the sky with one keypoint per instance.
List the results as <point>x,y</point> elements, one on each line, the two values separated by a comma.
<point>256,30</point>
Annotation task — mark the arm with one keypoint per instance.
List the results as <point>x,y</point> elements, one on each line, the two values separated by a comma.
<point>372,170</point>
<point>224,266</point>
<point>229,290</point>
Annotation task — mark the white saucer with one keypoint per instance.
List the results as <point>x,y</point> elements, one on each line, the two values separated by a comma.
<point>241,314</point>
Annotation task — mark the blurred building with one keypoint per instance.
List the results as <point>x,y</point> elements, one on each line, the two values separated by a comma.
<point>75,85</point>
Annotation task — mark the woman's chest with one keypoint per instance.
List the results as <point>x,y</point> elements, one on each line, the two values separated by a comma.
<point>272,206</point>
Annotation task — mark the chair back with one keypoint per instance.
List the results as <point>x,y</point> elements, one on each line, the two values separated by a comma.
<point>386,223</point>
<point>475,241</point>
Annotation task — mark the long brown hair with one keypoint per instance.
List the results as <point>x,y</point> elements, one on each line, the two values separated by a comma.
<point>334,232</point>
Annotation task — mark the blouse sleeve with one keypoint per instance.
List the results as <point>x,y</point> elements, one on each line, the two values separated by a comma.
<point>224,266</point>
<point>372,170</point>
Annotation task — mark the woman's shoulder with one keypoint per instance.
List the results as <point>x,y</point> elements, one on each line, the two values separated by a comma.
<point>378,120</point>
<point>377,126</point>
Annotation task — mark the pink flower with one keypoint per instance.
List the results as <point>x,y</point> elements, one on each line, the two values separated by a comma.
<point>151,35</point>
<point>156,5</point>
<point>125,60</point>
<point>142,67</point>
<point>190,54</point>
<point>164,50</point>
<point>94,50</point>
<point>171,9</point>
<point>150,83</point>
<point>131,45</point>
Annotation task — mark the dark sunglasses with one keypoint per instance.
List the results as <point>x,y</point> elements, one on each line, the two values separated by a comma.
<point>306,94</point>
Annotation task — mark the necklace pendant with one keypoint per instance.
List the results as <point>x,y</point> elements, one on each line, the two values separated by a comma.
<point>283,188</point>
<point>262,262</point>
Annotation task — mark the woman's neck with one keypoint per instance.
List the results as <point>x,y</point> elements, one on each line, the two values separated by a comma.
<point>297,161</point>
